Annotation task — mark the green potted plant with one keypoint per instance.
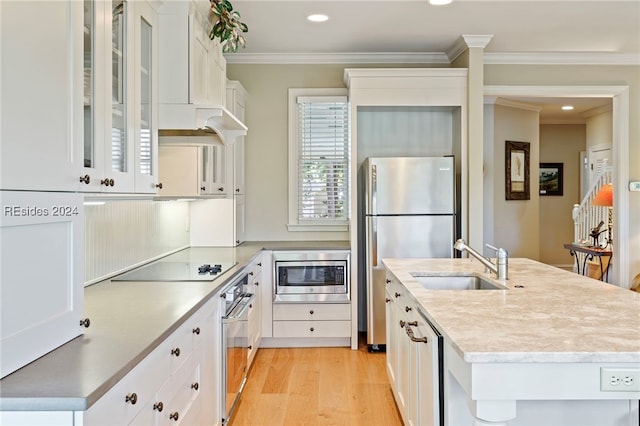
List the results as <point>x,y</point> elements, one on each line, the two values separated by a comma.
<point>227,27</point>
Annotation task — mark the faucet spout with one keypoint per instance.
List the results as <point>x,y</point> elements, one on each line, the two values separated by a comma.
<point>499,268</point>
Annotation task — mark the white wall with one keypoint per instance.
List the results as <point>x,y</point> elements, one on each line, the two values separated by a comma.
<point>560,143</point>
<point>119,234</point>
<point>516,222</point>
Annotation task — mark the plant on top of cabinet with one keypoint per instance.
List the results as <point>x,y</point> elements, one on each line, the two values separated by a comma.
<point>228,26</point>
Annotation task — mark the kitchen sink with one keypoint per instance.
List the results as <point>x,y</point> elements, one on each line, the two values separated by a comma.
<point>456,282</point>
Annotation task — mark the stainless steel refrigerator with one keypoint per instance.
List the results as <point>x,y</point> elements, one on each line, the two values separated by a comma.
<point>409,211</point>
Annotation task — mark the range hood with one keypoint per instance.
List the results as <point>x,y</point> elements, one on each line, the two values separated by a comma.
<point>202,124</point>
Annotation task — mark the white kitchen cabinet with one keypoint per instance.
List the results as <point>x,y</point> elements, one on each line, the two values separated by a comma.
<point>236,103</point>
<point>42,275</point>
<point>255,309</point>
<point>170,384</point>
<point>42,75</point>
<point>312,320</point>
<point>217,222</point>
<point>191,170</point>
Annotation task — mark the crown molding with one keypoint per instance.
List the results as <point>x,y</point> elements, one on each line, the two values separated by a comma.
<point>597,110</point>
<point>339,58</point>
<point>517,104</point>
<point>563,121</point>
<point>562,58</point>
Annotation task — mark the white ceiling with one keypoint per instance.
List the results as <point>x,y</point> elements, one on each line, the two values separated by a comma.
<point>378,31</point>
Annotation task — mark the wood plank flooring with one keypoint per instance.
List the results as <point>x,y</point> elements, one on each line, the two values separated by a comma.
<point>317,386</point>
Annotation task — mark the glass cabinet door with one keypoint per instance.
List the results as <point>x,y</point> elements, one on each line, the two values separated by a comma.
<point>118,140</point>
<point>88,83</point>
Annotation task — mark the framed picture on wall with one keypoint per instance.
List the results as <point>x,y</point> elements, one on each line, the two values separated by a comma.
<point>517,170</point>
<point>551,178</point>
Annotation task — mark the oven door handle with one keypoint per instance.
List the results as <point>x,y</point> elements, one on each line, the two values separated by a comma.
<point>238,313</point>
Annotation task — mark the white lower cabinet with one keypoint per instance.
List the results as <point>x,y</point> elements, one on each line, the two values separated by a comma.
<point>312,320</point>
<point>169,385</point>
<point>255,309</point>
<point>412,360</point>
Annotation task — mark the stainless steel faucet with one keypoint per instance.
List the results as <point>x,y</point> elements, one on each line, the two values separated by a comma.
<point>500,268</point>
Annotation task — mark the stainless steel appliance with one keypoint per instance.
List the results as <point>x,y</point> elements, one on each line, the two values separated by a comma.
<point>311,276</point>
<point>409,209</point>
<point>235,341</point>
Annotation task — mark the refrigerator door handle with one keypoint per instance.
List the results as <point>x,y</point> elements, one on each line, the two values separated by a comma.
<point>374,189</point>
<point>374,241</point>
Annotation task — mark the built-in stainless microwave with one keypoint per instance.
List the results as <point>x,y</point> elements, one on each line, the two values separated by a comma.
<point>311,276</point>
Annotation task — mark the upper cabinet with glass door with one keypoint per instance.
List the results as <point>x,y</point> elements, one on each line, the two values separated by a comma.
<point>120,139</point>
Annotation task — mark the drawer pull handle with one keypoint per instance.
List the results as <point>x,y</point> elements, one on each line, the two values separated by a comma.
<point>158,406</point>
<point>311,329</point>
<point>174,416</point>
<point>175,351</point>
<point>196,331</point>
<point>412,337</point>
<point>85,179</point>
<point>195,386</point>
<point>407,309</point>
<point>311,312</point>
<point>85,323</point>
<point>397,295</point>
<point>132,398</point>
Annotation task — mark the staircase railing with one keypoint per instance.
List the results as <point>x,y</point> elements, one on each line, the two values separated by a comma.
<point>587,216</point>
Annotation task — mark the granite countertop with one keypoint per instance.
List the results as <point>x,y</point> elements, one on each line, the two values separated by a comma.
<point>128,321</point>
<point>558,316</point>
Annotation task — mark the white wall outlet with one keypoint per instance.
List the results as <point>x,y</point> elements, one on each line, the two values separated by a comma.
<point>620,379</point>
<point>634,186</point>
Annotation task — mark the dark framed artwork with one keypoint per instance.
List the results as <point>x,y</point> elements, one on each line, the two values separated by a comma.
<point>551,178</point>
<point>517,170</point>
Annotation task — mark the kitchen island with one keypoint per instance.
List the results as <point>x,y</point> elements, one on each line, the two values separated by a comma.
<point>129,321</point>
<point>542,351</point>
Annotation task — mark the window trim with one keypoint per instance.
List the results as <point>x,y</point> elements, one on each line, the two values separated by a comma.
<point>293,223</point>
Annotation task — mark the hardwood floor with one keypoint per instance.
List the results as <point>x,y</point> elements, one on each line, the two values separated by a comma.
<point>317,386</point>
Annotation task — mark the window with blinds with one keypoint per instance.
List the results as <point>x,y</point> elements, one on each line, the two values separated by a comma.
<point>323,159</point>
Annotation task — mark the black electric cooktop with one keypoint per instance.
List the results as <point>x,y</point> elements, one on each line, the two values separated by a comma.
<point>176,271</point>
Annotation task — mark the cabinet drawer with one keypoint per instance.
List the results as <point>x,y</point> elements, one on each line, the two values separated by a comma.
<point>178,393</point>
<point>311,328</point>
<point>185,339</point>
<point>315,312</point>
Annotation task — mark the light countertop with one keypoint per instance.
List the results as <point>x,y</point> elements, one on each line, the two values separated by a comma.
<point>128,321</point>
<point>557,317</point>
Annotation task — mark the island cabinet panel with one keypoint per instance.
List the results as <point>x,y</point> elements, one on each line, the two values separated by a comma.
<point>170,384</point>
<point>41,302</point>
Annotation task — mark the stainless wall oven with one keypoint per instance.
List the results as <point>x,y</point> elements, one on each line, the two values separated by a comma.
<point>235,341</point>
<point>311,276</point>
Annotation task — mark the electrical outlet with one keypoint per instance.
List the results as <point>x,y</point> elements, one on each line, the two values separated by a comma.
<point>620,379</point>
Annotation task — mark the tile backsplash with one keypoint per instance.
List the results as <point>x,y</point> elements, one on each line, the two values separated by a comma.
<point>121,234</point>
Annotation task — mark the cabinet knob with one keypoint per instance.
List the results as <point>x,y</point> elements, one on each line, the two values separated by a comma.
<point>250,305</point>
<point>387,280</point>
<point>387,300</point>
<point>175,351</point>
<point>407,309</point>
<point>237,189</point>
<point>402,323</point>
<point>85,322</point>
<point>311,329</point>
<point>257,283</point>
<point>397,294</point>
<point>107,182</point>
<point>195,386</point>
<point>259,263</point>
<point>203,188</point>
<point>251,273</point>
<point>131,398</point>
<point>221,189</point>
<point>250,347</point>
<point>196,330</point>
<point>311,312</point>
<point>174,416</point>
<point>158,406</point>
<point>159,185</point>
<point>237,242</point>
<point>85,179</point>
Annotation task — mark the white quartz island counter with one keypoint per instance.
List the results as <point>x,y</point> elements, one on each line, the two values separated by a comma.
<point>548,337</point>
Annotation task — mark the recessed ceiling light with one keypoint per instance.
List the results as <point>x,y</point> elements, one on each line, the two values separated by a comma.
<point>318,18</point>
<point>439,2</point>
<point>567,107</point>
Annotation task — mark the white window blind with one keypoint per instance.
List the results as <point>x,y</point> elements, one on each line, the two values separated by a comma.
<point>323,158</point>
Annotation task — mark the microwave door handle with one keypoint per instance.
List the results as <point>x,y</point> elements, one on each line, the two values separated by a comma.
<point>238,313</point>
